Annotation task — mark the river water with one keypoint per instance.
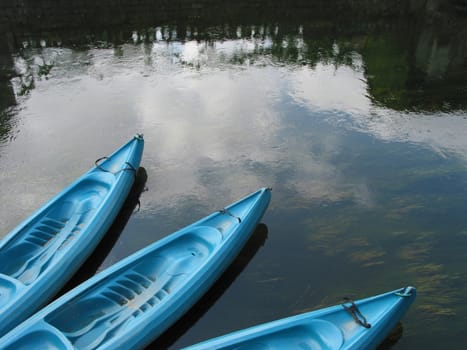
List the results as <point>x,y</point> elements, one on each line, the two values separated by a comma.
<point>360,130</point>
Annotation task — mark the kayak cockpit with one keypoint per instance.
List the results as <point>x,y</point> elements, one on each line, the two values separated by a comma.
<point>313,335</point>
<point>31,251</point>
<point>8,289</point>
<point>41,335</point>
<point>100,313</point>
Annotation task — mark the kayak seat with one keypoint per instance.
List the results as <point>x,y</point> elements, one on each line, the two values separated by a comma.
<point>39,339</point>
<point>96,315</point>
<point>200,241</point>
<point>8,288</point>
<point>32,250</point>
<point>326,335</point>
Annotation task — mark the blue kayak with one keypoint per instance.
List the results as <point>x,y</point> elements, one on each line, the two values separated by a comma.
<point>41,254</point>
<point>363,324</point>
<point>132,302</point>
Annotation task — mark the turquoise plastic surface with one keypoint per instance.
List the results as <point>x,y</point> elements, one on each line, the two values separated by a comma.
<point>331,328</point>
<point>41,254</point>
<point>134,301</point>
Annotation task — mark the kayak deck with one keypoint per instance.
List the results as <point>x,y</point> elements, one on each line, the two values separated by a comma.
<point>316,335</point>
<point>360,325</point>
<point>132,302</point>
<point>28,255</point>
<point>134,291</point>
<point>42,253</point>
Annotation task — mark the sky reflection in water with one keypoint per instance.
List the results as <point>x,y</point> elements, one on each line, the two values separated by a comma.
<point>374,195</point>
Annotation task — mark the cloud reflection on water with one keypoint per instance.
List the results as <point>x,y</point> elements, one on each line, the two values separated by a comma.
<point>224,123</point>
<point>213,117</point>
<point>343,90</point>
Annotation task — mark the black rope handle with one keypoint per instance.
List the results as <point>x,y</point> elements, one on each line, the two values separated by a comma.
<point>225,211</point>
<point>129,167</point>
<point>355,313</point>
<point>98,166</point>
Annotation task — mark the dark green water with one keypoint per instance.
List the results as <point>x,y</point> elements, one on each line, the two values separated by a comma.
<point>359,126</point>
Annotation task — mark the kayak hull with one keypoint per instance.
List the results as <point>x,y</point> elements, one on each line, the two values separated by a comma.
<point>330,328</point>
<point>134,301</point>
<point>41,254</point>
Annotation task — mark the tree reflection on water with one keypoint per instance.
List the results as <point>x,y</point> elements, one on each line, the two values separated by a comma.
<point>410,61</point>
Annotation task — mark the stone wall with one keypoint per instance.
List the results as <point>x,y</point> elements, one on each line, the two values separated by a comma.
<point>49,15</point>
<point>53,14</point>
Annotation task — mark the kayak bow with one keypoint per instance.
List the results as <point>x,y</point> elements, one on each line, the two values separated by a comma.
<point>41,254</point>
<point>363,324</point>
<point>132,302</point>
